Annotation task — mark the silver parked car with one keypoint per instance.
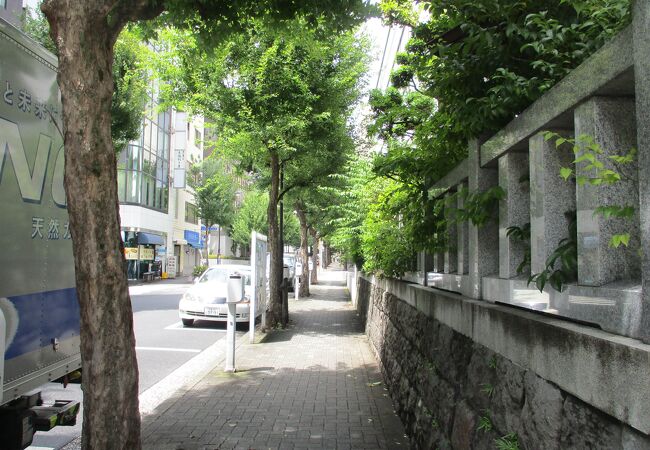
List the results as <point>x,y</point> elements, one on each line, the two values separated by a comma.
<point>206,300</point>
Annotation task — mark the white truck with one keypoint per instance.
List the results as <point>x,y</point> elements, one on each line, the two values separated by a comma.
<point>39,312</point>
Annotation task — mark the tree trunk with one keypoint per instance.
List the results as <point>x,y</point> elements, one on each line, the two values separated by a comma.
<point>314,255</point>
<point>85,37</point>
<point>207,244</point>
<point>304,250</point>
<point>274,316</point>
<point>219,245</point>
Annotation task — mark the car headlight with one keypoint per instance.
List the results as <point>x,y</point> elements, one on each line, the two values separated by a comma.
<point>190,297</point>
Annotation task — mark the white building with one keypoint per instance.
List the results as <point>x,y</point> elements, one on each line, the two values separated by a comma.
<point>160,227</point>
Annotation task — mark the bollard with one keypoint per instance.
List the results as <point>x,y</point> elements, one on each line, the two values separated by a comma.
<point>235,295</point>
<point>296,287</point>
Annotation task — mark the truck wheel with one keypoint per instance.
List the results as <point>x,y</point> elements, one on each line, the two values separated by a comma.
<point>188,322</point>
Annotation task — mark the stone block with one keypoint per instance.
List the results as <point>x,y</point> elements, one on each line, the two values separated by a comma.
<point>585,428</point>
<point>451,252</point>
<point>514,210</point>
<point>483,241</point>
<point>550,198</point>
<point>465,423</point>
<point>462,240</point>
<point>541,415</point>
<point>641,49</point>
<point>611,123</point>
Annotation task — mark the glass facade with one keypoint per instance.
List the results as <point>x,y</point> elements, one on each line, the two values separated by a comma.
<point>143,167</point>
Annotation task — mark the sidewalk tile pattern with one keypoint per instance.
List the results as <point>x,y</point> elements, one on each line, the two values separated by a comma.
<point>313,386</point>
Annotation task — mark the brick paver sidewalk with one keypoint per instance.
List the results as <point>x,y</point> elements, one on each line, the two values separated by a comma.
<point>315,385</point>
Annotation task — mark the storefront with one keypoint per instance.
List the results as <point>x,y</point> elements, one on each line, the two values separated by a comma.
<point>192,256</point>
<point>144,252</point>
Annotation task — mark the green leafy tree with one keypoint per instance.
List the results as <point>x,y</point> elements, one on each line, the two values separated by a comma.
<point>281,103</point>
<point>130,75</point>
<point>251,216</point>
<point>468,69</point>
<point>85,34</point>
<point>214,194</point>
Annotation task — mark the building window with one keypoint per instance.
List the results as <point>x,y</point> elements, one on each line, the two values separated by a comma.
<point>197,138</point>
<point>3,4</point>
<point>191,213</point>
<point>142,172</point>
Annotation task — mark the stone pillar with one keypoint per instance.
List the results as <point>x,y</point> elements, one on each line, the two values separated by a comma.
<point>451,253</point>
<point>462,235</point>
<point>439,262</point>
<point>483,241</point>
<point>641,31</point>
<point>611,122</point>
<point>514,210</point>
<point>550,198</point>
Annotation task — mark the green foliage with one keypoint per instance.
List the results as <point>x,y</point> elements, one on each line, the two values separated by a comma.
<point>595,170</point>
<point>562,264</point>
<point>480,207</point>
<point>521,234</point>
<point>131,84</point>
<point>291,227</point>
<point>251,216</point>
<point>492,364</point>
<point>349,208</point>
<point>599,171</point>
<point>214,192</point>
<point>508,442</point>
<point>487,389</point>
<point>467,71</point>
<point>387,244</point>
<point>198,270</point>
<point>130,75</point>
<point>486,61</point>
<point>35,25</point>
<point>485,423</point>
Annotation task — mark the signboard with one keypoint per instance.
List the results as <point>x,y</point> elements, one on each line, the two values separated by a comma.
<point>131,253</point>
<point>146,253</point>
<point>179,178</point>
<point>258,283</point>
<point>171,266</point>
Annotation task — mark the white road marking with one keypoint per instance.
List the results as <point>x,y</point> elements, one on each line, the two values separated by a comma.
<point>167,349</point>
<point>178,326</point>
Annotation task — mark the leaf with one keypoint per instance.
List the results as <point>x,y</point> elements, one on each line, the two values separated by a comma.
<point>566,172</point>
<point>618,239</point>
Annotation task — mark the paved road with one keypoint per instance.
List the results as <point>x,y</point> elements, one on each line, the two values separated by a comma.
<point>162,345</point>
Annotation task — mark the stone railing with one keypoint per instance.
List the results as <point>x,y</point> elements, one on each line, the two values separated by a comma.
<point>607,98</point>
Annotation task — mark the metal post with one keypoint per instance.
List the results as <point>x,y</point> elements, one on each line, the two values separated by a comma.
<point>235,295</point>
<point>230,338</point>
<point>296,287</point>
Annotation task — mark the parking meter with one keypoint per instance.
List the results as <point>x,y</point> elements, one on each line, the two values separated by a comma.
<point>235,288</point>
<point>235,294</point>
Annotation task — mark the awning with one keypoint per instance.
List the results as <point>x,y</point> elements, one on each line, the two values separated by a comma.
<point>149,238</point>
<point>193,239</point>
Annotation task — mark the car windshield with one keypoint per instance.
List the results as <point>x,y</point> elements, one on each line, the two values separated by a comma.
<point>288,260</point>
<point>221,276</point>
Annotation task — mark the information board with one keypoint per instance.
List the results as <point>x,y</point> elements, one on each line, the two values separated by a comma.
<point>258,270</point>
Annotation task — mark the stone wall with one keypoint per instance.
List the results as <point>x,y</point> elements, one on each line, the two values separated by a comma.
<point>453,392</point>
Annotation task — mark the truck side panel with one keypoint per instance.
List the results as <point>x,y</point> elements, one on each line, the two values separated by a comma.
<point>37,287</point>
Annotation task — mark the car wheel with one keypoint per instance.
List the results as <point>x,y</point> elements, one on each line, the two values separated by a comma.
<point>188,322</point>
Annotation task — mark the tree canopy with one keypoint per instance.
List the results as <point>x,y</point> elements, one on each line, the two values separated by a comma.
<point>468,69</point>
